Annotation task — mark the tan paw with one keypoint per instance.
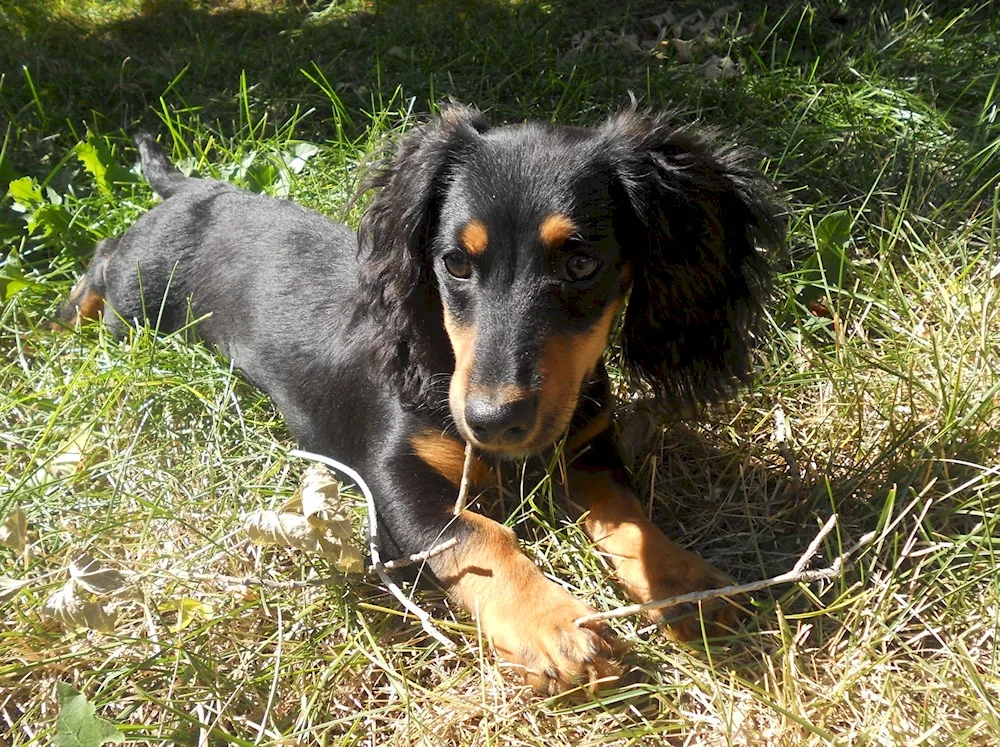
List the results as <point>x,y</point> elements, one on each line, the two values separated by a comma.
<point>553,654</point>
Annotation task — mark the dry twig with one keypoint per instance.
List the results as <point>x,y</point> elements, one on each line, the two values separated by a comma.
<point>463,488</point>
<point>798,574</point>
<point>425,619</point>
<point>420,557</point>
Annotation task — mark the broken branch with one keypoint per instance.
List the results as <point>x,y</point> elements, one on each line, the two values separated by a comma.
<point>798,574</point>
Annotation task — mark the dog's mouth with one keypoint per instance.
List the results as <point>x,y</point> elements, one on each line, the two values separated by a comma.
<point>510,419</point>
<point>511,428</point>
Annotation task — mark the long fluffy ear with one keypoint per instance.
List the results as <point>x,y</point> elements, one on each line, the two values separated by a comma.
<point>701,211</point>
<point>396,233</point>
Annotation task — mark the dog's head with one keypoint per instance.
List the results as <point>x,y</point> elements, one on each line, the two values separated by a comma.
<point>503,256</point>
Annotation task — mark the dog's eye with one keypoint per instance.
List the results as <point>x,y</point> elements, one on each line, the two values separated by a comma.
<point>581,266</point>
<point>458,265</point>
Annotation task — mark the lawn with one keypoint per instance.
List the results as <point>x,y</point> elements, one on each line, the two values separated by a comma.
<point>876,395</point>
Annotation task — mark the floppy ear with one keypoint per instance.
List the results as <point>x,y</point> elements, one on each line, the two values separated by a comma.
<point>396,233</point>
<point>700,210</point>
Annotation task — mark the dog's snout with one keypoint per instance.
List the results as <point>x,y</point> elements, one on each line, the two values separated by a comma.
<point>506,421</point>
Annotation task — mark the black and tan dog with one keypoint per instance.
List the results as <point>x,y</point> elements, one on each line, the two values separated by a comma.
<point>476,306</point>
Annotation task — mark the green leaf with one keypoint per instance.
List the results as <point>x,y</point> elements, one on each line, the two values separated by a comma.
<point>296,160</point>
<point>260,175</point>
<point>77,726</point>
<point>829,267</point>
<point>98,159</point>
<point>12,279</point>
<point>48,214</point>
<point>834,231</point>
<point>95,160</point>
<point>25,193</point>
<point>52,219</point>
<point>188,610</point>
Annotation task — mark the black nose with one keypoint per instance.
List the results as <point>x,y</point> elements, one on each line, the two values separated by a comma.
<point>508,421</point>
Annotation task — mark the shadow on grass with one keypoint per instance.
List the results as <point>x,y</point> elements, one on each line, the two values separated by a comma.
<point>503,56</point>
<point>225,64</point>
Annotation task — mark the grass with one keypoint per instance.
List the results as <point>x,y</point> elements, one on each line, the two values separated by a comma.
<point>884,361</point>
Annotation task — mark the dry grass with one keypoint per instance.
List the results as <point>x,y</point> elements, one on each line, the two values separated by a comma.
<point>146,454</point>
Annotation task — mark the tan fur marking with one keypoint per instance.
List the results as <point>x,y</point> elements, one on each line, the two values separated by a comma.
<point>499,394</point>
<point>647,564</point>
<point>463,343</point>
<point>566,361</point>
<point>474,237</point>
<point>84,304</point>
<point>527,618</point>
<point>446,456</point>
<point>555,230</point>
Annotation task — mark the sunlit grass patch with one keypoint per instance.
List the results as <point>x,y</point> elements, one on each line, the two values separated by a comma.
<point>876,397</point>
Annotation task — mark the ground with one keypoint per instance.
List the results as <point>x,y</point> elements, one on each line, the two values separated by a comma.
<point>875,396</point>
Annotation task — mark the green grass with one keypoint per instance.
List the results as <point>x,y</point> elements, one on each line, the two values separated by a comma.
<point>145,454</point>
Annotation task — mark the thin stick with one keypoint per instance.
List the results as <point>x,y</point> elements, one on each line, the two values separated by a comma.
<point>463,488</point>
<point>798,574</point>
<point>425,619</point>
<point>420,557</point>
<point>804,561</point>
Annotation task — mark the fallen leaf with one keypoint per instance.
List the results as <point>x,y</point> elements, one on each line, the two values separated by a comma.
<point>77,725</point>
<point>94,577</point>
<point>291,530</point>
<point>314,519</point>
<point>14,532</point>
<point>68,460</point>
<point>719,67</point>
<point>351,560</point>
<point>11,587</point>
<point>68,608</point>
<point>319,492</point>
<point>188,610</point>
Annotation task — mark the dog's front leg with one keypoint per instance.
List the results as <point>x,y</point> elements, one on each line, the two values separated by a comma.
<point>529,619</point>
<point>646,563</point>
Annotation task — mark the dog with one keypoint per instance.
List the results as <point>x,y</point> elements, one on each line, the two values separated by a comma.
<point>475,305</point>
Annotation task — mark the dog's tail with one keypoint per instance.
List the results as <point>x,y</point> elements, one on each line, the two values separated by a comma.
<point>156,167</point>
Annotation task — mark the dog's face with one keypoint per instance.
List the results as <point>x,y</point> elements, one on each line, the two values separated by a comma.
<point>531,272</point>
<point>519,244</point>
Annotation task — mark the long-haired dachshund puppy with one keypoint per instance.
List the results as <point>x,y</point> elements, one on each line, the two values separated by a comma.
<point>476,306</point>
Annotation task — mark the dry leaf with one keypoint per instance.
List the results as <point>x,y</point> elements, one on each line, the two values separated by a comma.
<point>68,460</point>
<point>67,607</point>
<point>683,49</point>
<point>10,588</point>
<point>290,530</point>
<point>351,560</point>
<point>297,532</point>
<point>14,532</point>
<point>94,577</point>
<point>320,491</point>
<point>719,67</point>
<point>314,520</point>
<point>318,498</point>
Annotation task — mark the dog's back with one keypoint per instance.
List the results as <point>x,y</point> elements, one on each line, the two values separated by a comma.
<point>227,256</point>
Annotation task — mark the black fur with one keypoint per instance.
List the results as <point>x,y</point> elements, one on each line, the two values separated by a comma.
<point>348,334</point>
<point>695,309</point>
<point>692,214</point>
<point>396,231</point>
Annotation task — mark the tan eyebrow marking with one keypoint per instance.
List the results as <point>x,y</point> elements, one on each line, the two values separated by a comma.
<point>555,229</point>
<point>473,237</point>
